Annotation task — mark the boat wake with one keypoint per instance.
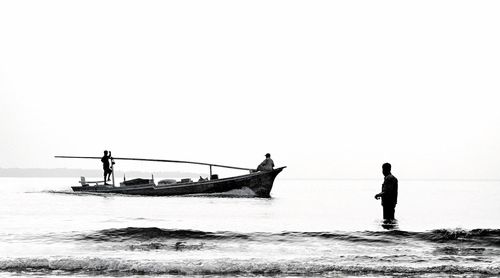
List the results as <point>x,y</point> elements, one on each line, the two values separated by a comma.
<point>244,192</point>
<point>98,194</point>
<point>235,193</point>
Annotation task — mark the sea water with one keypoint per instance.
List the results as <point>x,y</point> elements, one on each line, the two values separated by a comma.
<point>312,228</point>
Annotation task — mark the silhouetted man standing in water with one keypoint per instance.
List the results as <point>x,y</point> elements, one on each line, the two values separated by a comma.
<point>389,193</point>
<point>106,166</point>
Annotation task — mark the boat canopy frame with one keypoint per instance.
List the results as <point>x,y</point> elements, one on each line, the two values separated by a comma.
<point>159,160</point>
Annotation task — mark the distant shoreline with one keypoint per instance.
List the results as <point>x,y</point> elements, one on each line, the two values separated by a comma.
<point>71,173</point>
<point>66,172</point>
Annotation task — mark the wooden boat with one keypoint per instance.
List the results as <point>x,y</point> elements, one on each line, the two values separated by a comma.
<point>260,183</point>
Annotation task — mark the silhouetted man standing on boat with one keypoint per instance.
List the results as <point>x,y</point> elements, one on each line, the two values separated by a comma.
<point>389,193</point>
<point>267,164</point>
<point>106,166</point>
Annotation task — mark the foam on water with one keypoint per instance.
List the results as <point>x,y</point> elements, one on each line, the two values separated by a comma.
<point>229,266</point>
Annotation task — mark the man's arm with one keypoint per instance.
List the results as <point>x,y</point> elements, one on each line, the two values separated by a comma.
<point>377,196</point>
<point>386,187</point>
<point>384,190</point>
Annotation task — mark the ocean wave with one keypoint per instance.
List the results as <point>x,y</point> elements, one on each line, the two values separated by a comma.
<point>490,237</point>
<point>451,250</point>
<point>177,246</point>
<point>480,236</point>
<point>350,237</point>
<point>227,267</point>
<point>483,237</point>
<point>123,234</point>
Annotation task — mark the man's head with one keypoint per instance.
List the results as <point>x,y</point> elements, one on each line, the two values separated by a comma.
<point>268,155</point>
<point>386,169</point>
<point>105,152</point>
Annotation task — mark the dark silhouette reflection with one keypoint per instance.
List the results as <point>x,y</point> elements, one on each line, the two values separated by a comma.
<point>390,224</point>
<point>389,193</point>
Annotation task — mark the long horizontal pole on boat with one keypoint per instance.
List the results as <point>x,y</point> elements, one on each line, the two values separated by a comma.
<point>155,160</point>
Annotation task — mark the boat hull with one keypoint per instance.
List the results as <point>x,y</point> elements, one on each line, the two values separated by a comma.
<point>261,183</point>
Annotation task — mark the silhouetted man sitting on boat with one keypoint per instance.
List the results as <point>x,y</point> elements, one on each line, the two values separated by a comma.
<point>267,164</point>
<point>106,166</point>
<point>389,193</point>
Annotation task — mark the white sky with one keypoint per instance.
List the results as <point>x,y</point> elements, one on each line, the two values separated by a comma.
<point>329,88</point>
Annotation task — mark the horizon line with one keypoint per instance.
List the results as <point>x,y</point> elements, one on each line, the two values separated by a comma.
<point>284,178</point>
